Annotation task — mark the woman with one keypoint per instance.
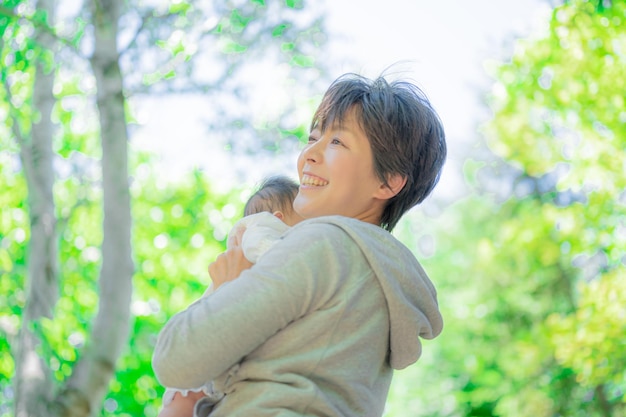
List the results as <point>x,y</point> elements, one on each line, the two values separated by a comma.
<point>317,326</point>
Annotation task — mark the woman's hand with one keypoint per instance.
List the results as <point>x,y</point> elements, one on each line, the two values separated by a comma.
<point>228,265</point>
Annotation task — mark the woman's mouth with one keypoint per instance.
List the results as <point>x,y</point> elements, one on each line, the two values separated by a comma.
<point>310,180</point>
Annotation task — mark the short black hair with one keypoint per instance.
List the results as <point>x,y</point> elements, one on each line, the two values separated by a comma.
<point>404,131</point>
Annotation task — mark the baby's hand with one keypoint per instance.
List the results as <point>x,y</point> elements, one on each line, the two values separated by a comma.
<point>236,235</point>
<point>228,266</point>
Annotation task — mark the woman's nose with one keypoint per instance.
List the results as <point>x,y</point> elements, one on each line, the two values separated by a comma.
<point>313,151</point>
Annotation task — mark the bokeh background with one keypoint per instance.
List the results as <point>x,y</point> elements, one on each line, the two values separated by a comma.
<point>131,133</point>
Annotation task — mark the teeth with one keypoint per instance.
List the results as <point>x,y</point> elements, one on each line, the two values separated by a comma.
<point>314,181</point>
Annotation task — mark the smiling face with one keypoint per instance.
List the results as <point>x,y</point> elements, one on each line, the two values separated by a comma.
<point>337,175</point>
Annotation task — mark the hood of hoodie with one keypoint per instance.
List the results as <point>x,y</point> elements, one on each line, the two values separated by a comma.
<point>411,296</point>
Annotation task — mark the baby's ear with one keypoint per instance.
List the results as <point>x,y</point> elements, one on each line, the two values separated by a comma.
<point>279,214</point>
<point>395,183</point>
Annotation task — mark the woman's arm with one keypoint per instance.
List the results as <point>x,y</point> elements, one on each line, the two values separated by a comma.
<point>295,276</point>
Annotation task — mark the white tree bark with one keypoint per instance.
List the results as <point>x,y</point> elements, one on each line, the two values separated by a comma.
<point>91,375</point>
<point>33,380</point>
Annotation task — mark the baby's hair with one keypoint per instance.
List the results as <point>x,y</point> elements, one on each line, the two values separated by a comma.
<point>275,193</point>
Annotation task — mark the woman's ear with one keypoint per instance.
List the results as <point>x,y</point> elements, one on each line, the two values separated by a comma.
<point>395,183</point>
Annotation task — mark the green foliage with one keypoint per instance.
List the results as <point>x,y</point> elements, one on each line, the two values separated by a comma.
<point>13,238</point>
<point>580,339</point>
<point>178,230</point>
<point>16,76</point>
<point>569,106</point>
<point>279,30</point>
<point>570,112</point>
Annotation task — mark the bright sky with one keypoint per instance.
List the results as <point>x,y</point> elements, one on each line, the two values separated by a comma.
<point>441,45</point>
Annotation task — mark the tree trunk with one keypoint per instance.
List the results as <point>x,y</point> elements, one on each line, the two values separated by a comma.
<point>89,382</point>
<point>33,379</point>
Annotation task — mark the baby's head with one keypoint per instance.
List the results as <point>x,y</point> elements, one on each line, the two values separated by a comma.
<point>275,195</point>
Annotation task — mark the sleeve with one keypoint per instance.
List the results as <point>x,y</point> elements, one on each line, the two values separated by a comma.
<point>217,331</point>
<point>208,390</point>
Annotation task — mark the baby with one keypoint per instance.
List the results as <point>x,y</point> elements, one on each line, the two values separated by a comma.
<point>268,214</point>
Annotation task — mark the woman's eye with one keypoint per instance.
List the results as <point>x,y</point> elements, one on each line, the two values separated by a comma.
<point>336,141</point>
<point>314,135</point>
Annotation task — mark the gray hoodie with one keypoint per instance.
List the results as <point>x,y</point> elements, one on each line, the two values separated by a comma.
<point>313,329</point>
